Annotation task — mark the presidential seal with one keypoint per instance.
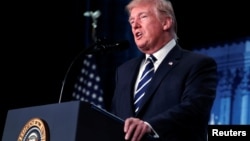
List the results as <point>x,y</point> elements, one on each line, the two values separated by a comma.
<point>34,130</point>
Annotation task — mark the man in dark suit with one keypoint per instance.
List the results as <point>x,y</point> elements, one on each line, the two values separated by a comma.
<point>177,102</point>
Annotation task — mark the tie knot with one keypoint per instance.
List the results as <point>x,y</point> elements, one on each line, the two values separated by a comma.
<point>151,58</point>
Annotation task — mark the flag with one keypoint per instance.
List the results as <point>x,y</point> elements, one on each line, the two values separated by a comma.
<point>88,84</point>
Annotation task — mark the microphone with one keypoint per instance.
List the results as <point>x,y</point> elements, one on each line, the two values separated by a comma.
<point>98,47</point>
<point>104,46</point>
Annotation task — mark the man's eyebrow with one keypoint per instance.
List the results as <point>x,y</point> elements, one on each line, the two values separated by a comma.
<point>139,14</point>
<point>130,18</point>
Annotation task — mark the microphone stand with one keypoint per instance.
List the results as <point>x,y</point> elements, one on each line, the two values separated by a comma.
<point>83,52</point>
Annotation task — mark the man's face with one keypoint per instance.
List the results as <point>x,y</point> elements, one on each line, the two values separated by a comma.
<point>146,27</point>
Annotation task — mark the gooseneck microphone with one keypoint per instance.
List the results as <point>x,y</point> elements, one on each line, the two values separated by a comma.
<point>98,47</point>
<point>104,46</point>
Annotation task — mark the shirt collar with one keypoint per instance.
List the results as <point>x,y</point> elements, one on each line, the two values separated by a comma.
<point>162,53</point>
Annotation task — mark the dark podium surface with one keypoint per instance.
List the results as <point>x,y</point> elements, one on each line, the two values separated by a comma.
<point>68,121</point>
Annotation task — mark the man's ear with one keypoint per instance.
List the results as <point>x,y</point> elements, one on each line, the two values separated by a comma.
<point>166,24</point>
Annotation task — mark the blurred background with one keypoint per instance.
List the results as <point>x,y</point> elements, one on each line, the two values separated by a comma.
<point>41,39</point>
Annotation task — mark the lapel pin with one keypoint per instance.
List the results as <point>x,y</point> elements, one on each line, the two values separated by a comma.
<point>170,63</point>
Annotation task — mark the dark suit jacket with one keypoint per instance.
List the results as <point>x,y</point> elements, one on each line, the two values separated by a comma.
<point>179,99</point>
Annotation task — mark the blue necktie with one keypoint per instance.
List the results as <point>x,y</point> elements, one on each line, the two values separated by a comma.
<point>144,81</point>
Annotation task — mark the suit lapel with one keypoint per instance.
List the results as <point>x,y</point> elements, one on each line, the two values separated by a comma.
<point>133,72</point>
<point>169,62</point>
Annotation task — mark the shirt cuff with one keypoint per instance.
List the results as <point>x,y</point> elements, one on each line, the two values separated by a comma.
<point>154,134</point>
